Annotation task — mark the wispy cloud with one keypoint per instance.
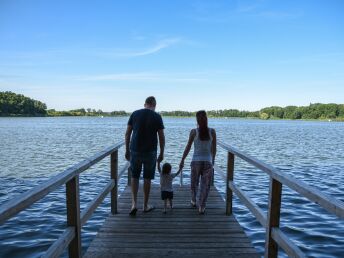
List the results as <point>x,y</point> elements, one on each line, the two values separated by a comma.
<point>248,6</point>
<point>119,77</point>
<point>160,45</point>
<point>224,12</point>
<point>143,77</point>
<point>279,15</point>
<point>336,57</point>
<point>68,54</point>
<point>10,76</point>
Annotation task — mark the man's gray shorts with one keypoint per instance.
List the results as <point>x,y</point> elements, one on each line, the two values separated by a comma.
<point>145,159</point>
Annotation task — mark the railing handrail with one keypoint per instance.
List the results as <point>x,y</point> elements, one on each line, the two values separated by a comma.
<point>274,236</point>
<point>71,236</point>
<point>24,200</point>
<point>330,203</point>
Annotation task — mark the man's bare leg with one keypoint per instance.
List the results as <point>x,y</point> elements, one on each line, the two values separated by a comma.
<point>165,206</point>
<point>146,191</point>
<point>134,190</point>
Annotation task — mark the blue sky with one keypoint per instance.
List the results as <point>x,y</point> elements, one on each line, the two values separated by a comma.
<point>191,55</point>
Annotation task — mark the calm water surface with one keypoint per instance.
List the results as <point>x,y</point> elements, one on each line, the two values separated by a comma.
<point>34,149</point>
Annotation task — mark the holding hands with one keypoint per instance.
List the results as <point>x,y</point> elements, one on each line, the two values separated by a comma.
<point>160,157</point>
<point>127,155</point>
<point>181,164</point>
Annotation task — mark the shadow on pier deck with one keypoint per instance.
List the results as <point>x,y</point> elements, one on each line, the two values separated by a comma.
<point>181,232</point>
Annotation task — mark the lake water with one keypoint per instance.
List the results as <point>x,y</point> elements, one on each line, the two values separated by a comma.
<point>34,149</point>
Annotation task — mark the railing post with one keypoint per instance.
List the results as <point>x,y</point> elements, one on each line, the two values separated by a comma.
<point>273,219</point>
<point>129,176</point>
<point>114,176</point>
<point>73,215</point>
<point>181,178</point>
<point>230,176</point>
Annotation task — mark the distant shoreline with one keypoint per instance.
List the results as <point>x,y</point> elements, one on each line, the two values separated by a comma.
<point>17,105</point>
<point>217,117</point>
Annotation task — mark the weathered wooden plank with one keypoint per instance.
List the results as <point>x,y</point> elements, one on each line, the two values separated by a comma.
<point>168,253</point>
<point>229,178</point>
<point>330,203</point>
<point>181,231</point>
<point>101,155</point>
<point>273,219</point>
<point>169,224</point>
<point>254,208</point>
<point>171,217</point>
<point>56,249</point>
<point>88,211</point>
<point>230,238</point>
<point>179,223</point>
<point>147,235</point>
<point>161,251</point>
<point>73,216</point>
<point>288,246</point>
<point>159,206</point>
<point>24,200</point>
<point>181,245</point>
<point>187,231</point>
<point>171,254</point>
<point>114,177</point>
<point>123,170</point>
<point>177,193</point>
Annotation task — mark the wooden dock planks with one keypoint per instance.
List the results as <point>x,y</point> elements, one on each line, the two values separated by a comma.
<point>181,232</point>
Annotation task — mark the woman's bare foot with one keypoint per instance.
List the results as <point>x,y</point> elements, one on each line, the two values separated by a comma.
<point>201,210</point>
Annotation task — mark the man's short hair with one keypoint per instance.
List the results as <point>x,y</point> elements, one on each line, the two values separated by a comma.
<point>151,101</point>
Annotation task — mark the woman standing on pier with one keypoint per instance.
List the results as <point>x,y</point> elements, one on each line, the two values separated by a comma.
<point>204,140</point>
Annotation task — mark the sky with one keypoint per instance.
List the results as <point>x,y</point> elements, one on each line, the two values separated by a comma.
<point>190,55</point>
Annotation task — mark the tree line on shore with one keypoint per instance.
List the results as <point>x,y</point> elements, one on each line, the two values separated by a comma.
<point>18,104</point>
<point>12,104</point>
<point>85,112</point>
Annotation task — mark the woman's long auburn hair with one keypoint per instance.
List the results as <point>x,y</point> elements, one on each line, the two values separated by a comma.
<point>202,121</point>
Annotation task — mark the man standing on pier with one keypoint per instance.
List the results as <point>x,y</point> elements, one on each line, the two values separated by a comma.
<point>141,150</point>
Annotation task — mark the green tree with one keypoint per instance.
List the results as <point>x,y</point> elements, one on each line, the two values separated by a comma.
<point>17,104</point>
<point>264,116</point>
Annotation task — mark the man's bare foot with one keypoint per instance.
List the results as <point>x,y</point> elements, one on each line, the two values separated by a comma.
<point>133,211</point>
<point>148,208</point>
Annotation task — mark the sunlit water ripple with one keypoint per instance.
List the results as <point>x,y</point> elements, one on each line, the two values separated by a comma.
<point>34,149</point>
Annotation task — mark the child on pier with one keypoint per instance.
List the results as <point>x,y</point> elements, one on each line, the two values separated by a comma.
<point>166,179</point>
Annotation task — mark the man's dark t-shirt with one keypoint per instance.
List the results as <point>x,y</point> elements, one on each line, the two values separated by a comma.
<point>145,124</point>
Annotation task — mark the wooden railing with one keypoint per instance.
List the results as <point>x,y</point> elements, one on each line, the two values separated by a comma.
<point>71,237</point>
<point>274,236</point>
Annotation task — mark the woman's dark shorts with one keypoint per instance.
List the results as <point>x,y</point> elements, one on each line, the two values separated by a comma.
<point>166,195</point>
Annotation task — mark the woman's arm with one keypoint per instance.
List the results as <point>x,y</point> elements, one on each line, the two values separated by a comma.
<point>213,146</point>
<point>187,148</point>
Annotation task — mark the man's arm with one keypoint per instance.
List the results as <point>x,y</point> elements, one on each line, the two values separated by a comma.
<point>127,141</point>
<point>162,144</point>
<point>159,167</point>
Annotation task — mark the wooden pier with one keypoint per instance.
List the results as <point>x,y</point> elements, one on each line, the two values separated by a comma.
<point>180,232</point>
